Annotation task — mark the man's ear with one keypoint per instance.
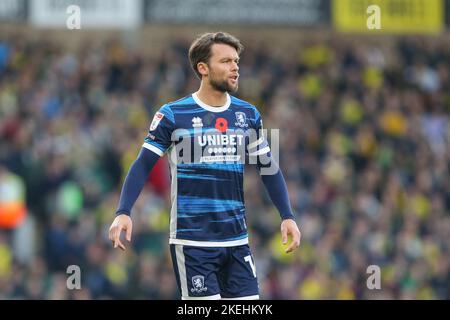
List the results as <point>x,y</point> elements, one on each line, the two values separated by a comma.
<point>202,67</point>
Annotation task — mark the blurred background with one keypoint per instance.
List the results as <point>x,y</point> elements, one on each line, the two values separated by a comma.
<point>364,130</point>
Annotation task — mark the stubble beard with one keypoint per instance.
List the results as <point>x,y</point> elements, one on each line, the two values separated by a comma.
<point>222,85</point>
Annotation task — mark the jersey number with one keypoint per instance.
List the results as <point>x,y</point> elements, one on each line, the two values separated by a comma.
<point>252,265</point>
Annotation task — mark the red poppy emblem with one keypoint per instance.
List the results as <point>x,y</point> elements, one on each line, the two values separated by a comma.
<point>221,124</point>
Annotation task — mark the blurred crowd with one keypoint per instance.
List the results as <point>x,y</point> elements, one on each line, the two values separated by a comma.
<point>364,146</point>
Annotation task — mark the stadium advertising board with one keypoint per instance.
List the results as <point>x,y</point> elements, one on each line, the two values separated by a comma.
<point>12,10</point>
<point>269,12</point>
<point>396,16</point>
<point>94,13</point>
<point>447,13</point>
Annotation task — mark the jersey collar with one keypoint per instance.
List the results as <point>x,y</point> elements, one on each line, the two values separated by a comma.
<point>211,108</point>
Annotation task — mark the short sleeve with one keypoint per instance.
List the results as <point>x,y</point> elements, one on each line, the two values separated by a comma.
<point>159,137</point>
<point>257,144</point>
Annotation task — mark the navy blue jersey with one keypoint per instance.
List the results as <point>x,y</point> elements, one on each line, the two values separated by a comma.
<point>207,148</point>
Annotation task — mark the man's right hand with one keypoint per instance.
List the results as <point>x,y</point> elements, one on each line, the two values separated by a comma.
<point>121,222</point>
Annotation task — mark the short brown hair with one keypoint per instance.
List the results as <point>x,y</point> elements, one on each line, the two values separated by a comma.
<point>200,50</point>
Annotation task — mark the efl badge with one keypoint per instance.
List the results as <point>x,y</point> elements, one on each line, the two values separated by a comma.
<point>156,119</point>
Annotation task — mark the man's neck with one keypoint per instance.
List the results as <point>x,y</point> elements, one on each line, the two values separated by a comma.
<point>211,97</point>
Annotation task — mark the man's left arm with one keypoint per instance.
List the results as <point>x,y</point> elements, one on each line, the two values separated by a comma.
<point>278,193</point>
<point>259,152</point>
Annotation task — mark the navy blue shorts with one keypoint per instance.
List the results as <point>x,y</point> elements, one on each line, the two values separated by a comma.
<point>215,272</point>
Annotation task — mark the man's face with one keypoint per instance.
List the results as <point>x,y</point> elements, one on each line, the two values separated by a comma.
<point>223,68</point>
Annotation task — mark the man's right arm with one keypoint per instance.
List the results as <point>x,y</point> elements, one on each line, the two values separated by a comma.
<point>135,180</point>
<point>158,140</point>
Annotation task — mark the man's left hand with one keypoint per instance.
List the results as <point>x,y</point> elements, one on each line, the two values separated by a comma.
<point>289,226</point>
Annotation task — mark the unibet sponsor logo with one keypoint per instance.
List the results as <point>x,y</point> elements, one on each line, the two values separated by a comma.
<point>220,140</point>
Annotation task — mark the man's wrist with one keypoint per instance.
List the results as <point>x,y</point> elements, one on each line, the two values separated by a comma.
<point>288,216</point>
<point>119,212</point>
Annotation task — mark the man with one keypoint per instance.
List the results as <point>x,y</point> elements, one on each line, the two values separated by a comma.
<point>203,134</point>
